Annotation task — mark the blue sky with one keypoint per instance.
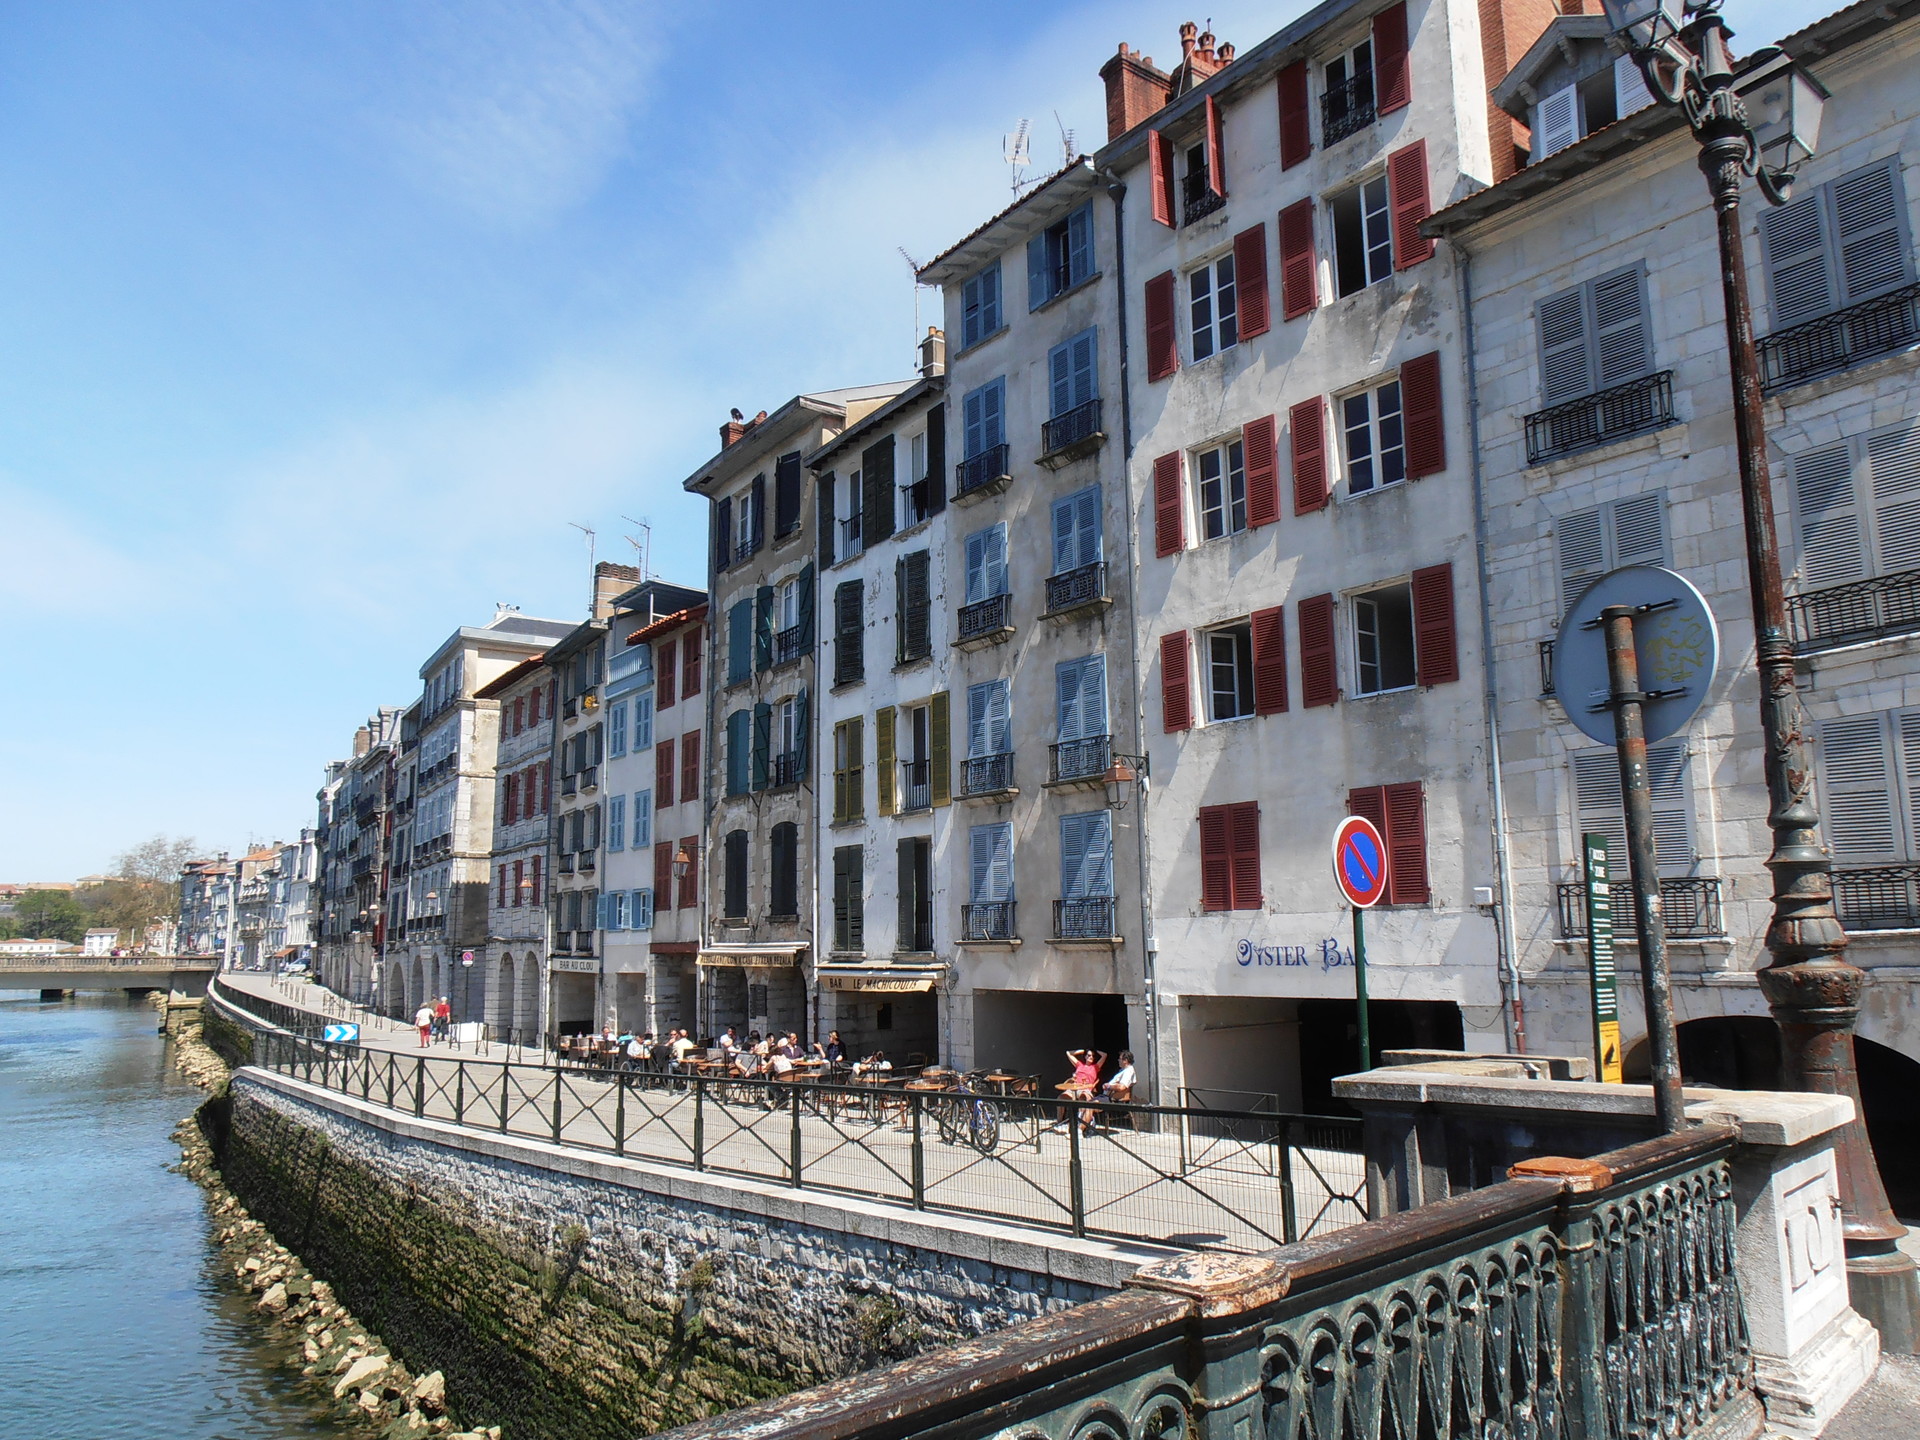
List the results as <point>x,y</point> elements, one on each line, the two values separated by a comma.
<point>320,321</point>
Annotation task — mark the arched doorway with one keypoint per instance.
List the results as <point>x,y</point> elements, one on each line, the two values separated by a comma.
<point>526,996</point>
<point>500,997</point>
<point>393,991</point>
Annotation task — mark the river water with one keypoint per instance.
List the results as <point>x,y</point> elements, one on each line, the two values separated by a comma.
<point>116,1320</point>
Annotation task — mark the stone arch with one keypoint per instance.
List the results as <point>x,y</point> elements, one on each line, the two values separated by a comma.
<point>393,990</point>
<point>417,986</point>
<point>526,995</point>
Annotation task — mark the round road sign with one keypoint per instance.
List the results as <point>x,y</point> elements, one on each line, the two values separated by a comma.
<point>1360,862</point>
<point>466,957</point>
<point>1677,642</point>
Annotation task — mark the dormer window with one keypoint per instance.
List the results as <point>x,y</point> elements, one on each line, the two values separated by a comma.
<point>1575,111</point>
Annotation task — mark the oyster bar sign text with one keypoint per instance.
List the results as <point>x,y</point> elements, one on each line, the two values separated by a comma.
<point>1328,954</point>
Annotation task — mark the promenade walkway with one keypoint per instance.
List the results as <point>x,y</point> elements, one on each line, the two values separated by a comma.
<point>1169,1182</point>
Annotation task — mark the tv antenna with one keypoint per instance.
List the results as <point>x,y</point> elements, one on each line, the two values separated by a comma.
<point>642,544</point>
<point>1066,140</point>
<point>913,266</point>
<point>1017,151</point>
<point>593,590</point>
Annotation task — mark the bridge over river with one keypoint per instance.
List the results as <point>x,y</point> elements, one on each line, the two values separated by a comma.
<point>183,977</point>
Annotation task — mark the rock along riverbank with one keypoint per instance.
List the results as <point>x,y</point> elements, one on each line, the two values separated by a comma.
<point>341,1360</point>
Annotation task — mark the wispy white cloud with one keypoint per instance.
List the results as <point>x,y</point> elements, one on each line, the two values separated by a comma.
<point>58,568</point>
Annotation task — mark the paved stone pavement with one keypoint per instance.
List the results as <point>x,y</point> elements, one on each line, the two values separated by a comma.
<point>1179,1186</point>
<point>1889,1407</point>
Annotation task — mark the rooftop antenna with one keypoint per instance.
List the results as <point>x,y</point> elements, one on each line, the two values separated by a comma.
<point>914,267</point>
<point>593,589</point>
<point>1066,140</point>
<point>1017,152</point>
<point>642,544</point>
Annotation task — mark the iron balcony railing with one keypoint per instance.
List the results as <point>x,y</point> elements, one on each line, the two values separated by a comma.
<point>569,784</point>
<point>1346,108</point>
<point>1841,340</point>
<point>1546,667</point>
<point>1862,610</point>
<point>569,707</point>
<point>1087,919</point>
<point>587,862</point>
<point>1080,423</point>
<point>1200,202</point>
<point>1079,759</point>
<point>984,617</point>
<point>1600,418</point>
<point>1878,897</point>
<point>1073,589</point>
<point>982,469</point>
<point>914,502</point>
<point>1691,904</point>
<point>787,768</point>
<point>916,789</point>
<point>789,644</point>
<point>986,774</point>
<point>590,778</point>
<point>987,920</point>
<point>565,863</point>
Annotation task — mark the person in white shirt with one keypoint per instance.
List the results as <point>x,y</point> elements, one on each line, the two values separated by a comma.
<point>1119,1085</point>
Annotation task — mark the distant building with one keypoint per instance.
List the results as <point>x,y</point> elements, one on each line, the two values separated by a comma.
<point>21,948</point>
<point>99,942</point>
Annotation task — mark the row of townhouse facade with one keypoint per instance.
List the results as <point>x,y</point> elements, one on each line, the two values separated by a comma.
<point>1240,490</point>
<point>255,912</point>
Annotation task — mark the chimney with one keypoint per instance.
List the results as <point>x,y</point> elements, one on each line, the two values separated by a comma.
<point>362,741</point>
<point>1135,90</point>
<point>933,353</point>
<point>609,582</point>
<point>732,431</point>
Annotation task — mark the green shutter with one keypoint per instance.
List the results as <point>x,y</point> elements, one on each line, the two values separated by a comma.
<point>883,759</point>
<point>762,743</point>
<point>938,723</point>
<point>806,608</point>
<point>763,628</point>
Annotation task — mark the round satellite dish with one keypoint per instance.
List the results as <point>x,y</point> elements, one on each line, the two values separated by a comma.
<point>1677,640</point>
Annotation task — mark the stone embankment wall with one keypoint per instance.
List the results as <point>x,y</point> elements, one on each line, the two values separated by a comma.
<point>580,1298</point>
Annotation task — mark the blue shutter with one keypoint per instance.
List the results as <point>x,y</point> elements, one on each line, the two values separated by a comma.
<point>802,727</point>
<point>994,413</point>
<point>990,300</point>
<point>617,730</point>
<point>1060,378</point>
<point>1082,690</point>
<point>739,725</point>
<point>1084,379</point>
<point>600,912</point>
<point>617,823</point>
<point>1039,286</point>
<point>988,719</point>
<point>991,857</point>
<point>1079,245</point>
<point>1076,530</point>
<point>642,819</point>
<point>973,423</point>
<point>762,743</point>
<point>1086,856</point>
<point>642,722</point>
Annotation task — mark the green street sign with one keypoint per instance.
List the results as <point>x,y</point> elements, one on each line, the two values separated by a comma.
<point>1606,1008</point>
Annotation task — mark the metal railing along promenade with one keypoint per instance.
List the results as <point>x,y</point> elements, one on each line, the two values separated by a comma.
<point>1163,1174</point>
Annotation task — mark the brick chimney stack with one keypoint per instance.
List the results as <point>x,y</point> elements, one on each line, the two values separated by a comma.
<point>736,428</point>
<point>1135,90</point>
<point>610,581</point>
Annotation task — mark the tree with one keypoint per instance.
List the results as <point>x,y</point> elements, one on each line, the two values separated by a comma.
<point>50,915</point>
<point>145,888</point>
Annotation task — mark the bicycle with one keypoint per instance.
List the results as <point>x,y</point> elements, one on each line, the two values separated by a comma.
<point>964,1112</point>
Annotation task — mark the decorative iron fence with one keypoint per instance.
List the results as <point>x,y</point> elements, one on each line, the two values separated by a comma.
<point>978,470</point>
<point>1346,108</point>
<point>1878,897</point>
<point>790,644</point>
<point>1071,589</point>
<point>789,768</point>
<point>984,617</point>
<point>1841,340</point>
<point>1861,610</point>
<point>1143,1172</point>
<point>1088,918</point>
<point>1072,427</point>
<point>987,920</point>
<point>986,774</point>
<point>916,789</point>
<point>1600,418</point>
<point>1517,1310</point>
<point>1691,904</point>
<point>1200,203</point>
<point>1083,759</point>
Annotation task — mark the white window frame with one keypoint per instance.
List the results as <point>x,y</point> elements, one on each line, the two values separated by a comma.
<point>1380,428</point>
<point>1213,308</point>
<point>786,713</point>
<point>1366,636</point>
<point>1234,644</point>
<point>1221,496</point>
<point>1375,211</point>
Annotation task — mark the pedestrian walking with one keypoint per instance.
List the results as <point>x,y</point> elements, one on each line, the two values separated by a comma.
<point>442,1018</point>
<point>423,1018</point>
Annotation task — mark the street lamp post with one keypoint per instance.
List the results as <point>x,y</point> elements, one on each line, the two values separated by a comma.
<point>1765,123</point>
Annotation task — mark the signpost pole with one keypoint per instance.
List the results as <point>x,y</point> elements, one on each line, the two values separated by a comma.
<point>1360,983</point>
<point>1630,740</point>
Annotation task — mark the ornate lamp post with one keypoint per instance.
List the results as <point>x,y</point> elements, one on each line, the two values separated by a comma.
<point>1765,123</point>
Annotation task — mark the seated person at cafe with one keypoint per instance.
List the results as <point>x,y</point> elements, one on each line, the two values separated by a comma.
<point>681,1044</point>
<point>833,1052</point>
<point>875,1064</point>
<point>781,1064</point>
<point>1120,1084</point>
<point>729,1042</point>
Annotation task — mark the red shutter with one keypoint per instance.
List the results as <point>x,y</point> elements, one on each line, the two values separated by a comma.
<point>1260,443</point>
<point>663,672</point>
<point>1299,270</point>
<point>1250,281</point>
<point>519,874</point>
<point>546,785</point>
<point>1216,151</point>
<point>1407,193</point>
<point>1243,840</point>
<point>1296,132</point>
<point>690,882</point>
<point>502,901</point>
<point>1426,428</point>
<point>507,812</point>
<point>538,893</point>
<point>1163,341</point>
<point>663,875</point>
<point>519,715</point>
<point>690,664</point>
<point>1176,683</point>
<point>1269,661</point>
<point>1216,858</point>
<point>663,775</point>
<point>1319,676</point>
<point>1169,507</point>
<point>1305,430</point>
<point>690,765</point>
<point>1160,176</point>
<point>1370,803</point>
<point>1392,83</point>
<point>1406,833</point>
<point>1436,651</point>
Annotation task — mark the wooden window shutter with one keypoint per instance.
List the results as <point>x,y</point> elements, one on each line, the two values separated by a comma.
<point>1269,661</point>
<point>1319,674</point>
<point>939,723</point>
<point>1260,443</point>
<point>1392,77</point>
<point>1436,650</point>
<point>758,516</point>
<point>1369,802</point>
<point>1160,176</point>
<point>806,607</point>
<point>1296,129</point>
<point>1176,683</point>
<point>666,656</point>
<point>1250,281</point>
<point>691,651</point>
<point>509,809</point>
<point>663,875</point>
<point>690,766</point>
<point>1406,834</point>
<point>786,494</point>
<point>906,892</point>
<point>1306,430</point>
<point>546,787</point>
<point>1243,850</point>
<point>760,751</point>
<point>763,628</point>
<point>538,893</point>
<point>884,778</point>
<point>876,505</point>
<point>1216,151</point>
<point>1163,340</point>
<point>1216,859</point>
<point>823,505</point>
<point>663,774</point>
<point>1426,432</point>
<point>723,534</point>
<point>501,903</point>
<point>1407,193</point>
<point>1299,270</point>
<point>690,882</point>
<point>936,476</point>
<point>1169,507</point>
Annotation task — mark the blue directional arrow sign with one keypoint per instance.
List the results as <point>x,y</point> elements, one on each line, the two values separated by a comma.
<point>345,1034</point>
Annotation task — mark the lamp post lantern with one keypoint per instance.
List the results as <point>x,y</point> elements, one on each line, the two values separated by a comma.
<point>1765,122</point>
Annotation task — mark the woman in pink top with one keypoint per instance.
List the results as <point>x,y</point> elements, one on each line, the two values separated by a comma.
<point>1085,1081</point>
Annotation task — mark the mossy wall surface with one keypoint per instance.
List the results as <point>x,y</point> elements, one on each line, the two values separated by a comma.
<point>561,1306</point>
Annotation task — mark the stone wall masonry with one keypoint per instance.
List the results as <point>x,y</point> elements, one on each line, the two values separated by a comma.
<point>567,1294</point>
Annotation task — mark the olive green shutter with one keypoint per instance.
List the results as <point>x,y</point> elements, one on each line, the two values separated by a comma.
<point>938,720</point>
<point>883,759</point>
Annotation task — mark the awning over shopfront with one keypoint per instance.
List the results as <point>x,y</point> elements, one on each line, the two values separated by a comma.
<point>755,957</point>
<point>881,979</point>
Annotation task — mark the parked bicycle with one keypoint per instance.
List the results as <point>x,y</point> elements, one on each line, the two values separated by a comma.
<point>962,1113</point>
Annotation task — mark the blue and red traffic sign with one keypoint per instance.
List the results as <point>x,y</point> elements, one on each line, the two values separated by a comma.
<point>1360,862</point>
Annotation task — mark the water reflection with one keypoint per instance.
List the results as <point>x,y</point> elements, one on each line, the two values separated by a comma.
<point>115,1319</point>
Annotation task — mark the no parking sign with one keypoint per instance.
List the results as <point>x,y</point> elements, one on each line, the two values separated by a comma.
<point>1360,870</point>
